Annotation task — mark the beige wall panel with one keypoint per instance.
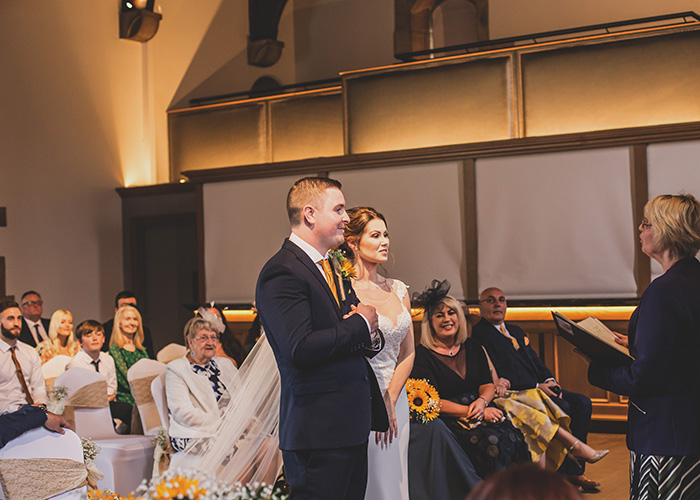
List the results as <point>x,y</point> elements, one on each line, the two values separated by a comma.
<point>624,84</point>
<point>245,223</point>
<point>435,106</point>
<point>220,137</point>
<point>307,127</point>
<point>423,208</point>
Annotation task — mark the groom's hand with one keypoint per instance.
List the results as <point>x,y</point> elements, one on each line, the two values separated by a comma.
<point>369,313</point>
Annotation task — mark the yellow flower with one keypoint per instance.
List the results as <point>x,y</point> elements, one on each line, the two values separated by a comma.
<point>347,271</point>
<point>423,400</point>
<point>179,485</point>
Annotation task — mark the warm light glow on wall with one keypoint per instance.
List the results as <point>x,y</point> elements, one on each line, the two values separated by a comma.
<point>545,313</point>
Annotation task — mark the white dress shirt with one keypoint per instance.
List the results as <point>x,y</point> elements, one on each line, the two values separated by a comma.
<point>106,368</point>
<point>11,393</point>
<point>43,334</point>
<point>316,257</point>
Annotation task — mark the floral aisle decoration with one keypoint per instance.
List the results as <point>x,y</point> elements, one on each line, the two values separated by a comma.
<point>162,453</point>
<point>90,452</point>
<point>56,399</point>
<point>192,485</point>
<point>423,400</point>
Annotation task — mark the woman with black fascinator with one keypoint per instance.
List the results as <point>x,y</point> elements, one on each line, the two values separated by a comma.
<point>459,371</point>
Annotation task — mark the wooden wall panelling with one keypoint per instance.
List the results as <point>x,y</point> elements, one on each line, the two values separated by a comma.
<point>471,278</point>
<point>639,182</point>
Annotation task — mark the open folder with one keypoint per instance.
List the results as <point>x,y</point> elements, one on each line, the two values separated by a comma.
<point>592,338</point>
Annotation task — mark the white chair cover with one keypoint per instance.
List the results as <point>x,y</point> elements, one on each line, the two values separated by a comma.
<point>170,352</point>
<point>160,399</point>
<point>42,443</point>
<point>140,377</point>
<point>124,460</point>
<point>54,367</point>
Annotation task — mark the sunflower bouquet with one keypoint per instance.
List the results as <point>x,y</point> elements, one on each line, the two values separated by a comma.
<point>423,400</point>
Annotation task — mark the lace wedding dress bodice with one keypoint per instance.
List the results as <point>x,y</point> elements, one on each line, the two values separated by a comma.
<point>394,330</point>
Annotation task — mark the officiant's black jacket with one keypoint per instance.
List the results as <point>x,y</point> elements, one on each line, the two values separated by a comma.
<point>663,382</point>
<point>329,395</point>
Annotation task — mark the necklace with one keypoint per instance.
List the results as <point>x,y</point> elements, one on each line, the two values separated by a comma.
<point>451,351</point>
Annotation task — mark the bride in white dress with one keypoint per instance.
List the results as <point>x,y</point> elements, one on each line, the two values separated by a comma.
<point>367,245</point>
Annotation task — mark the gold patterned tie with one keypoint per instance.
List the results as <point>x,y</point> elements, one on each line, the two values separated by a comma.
<point>512,339</point>
<point>329,278</point>
<point>20,376</point>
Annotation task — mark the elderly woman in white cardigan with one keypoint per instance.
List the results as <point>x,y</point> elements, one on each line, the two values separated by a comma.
<point>197,386</point>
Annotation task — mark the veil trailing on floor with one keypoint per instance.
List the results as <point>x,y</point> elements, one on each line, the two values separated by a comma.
<point>245,446</point>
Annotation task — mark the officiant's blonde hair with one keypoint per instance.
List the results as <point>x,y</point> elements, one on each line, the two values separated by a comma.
<point>308,191</point>
<point>676,223</point>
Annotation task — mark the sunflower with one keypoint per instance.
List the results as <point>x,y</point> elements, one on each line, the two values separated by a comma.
<point>423,400</point>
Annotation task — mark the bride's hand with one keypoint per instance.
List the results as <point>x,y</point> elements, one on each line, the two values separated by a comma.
<point>388,436</point>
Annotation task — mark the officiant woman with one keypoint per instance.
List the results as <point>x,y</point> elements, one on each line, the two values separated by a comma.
<point>663,381</point>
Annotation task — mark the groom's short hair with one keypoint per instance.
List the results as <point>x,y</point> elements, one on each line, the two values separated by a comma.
<point>307,191</point>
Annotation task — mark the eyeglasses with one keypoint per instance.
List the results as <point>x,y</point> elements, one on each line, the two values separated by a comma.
<point>207,338</point>
<point>31,303</point>
<point>493,300</point>
<point>645,224</point>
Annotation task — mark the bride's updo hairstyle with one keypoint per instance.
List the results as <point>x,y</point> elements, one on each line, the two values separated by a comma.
<point>359,218</point>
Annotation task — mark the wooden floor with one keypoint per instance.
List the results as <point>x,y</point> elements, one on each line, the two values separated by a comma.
<point>613,471</point>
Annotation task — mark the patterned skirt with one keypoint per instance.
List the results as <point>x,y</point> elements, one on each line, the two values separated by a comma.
<point>657,477</point>
<point>538,418</point>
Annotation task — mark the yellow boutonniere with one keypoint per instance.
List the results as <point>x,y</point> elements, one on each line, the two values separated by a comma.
<point>341,265</point>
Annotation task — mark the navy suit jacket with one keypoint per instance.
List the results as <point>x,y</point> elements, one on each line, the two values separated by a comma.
<point>18,422</point>
<point>663,382</point>
<point>522,367</point>
<point>326,383</point>
<point>26,336</point>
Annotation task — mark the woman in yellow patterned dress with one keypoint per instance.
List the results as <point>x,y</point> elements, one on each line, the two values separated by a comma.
<point>544,425</point>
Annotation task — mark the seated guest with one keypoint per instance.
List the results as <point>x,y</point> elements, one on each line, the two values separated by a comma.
<point>544,425</point>
<point>126,348</point>
<point>524,482</point>
<point>34,328</point>
<point>60,339</point>
<point>197,385</point>
<point>21,380</point>
<point>29,417</point>
<point>438,466</point>
<point>90,336</point>
<point>127,298</point>
<point>229,346</point>
<point>458,370</point>
<point>519,368</point>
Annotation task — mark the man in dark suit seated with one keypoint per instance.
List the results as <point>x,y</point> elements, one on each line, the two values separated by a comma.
<point>35,329</point>
<point>124,298</point>
<point>29,417</point>
<point>519,367</point>
<point>318,332</point>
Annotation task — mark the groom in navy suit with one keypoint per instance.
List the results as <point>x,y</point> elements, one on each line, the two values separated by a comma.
<point>320,334</point>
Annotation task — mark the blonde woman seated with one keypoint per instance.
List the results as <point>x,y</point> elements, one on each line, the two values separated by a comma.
<point>197,386</point>
<point>126,347</point>
<point>60,339</point>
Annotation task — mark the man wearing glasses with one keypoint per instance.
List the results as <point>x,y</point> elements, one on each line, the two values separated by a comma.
<point>35,329</point>
<point>519,368</point>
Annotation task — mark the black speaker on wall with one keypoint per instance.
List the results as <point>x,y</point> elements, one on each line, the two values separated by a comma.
<point>137,21</point>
